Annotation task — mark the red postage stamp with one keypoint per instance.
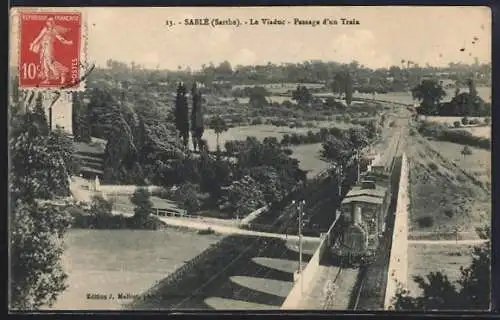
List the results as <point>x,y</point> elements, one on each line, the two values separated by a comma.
<point>50,50</point>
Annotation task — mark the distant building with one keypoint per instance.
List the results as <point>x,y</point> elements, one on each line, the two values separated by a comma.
<point>62,109</point>
<point>448,83</point>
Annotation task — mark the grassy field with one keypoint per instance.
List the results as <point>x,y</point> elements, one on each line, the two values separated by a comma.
<point>443,198</point>
<point>306,154</point>
<point>406,97</point>
<point>126,261</point>
<point>478,163</point>
<point>271,99</point>
<point>423,259</point>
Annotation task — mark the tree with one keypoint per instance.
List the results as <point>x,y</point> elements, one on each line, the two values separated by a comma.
<point>429,92</point>
<point>242,197</point>
<point>187,196</point>
<point>214,173</point>
<point>358,138</point>
<point>374,129</point>
<point>348,88</point>
<point>38,172</point>
<point>39,116</point>
<point>471,292</point>
<point>338,151</point>
<point>466,151</point>
<point>219,126</point>
<point>181,114</point>
<point>224,68</point>
<point>302,95</point>
<point>197,126</point>
<point>257,96</point>
<point>101,210</point>
<point>338,84</point>
<point>143,205</point>
<point>81,125</point>
<point>36,274</point>
<point>40,163</point>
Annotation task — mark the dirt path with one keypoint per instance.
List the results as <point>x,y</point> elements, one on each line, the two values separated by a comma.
<point>449,242</point>
<point>223,229</point>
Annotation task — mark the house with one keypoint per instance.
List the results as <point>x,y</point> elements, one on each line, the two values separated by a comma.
<point>447,83</point>
<point>58,108</point>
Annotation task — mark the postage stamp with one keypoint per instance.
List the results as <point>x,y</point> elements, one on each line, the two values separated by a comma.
<point>50,54</point>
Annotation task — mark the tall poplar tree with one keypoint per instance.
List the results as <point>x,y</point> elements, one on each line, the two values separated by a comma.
<point>182,114</point>
<point>197,125</point>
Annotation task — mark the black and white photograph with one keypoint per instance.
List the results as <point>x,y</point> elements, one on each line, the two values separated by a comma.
<point>250,158</point>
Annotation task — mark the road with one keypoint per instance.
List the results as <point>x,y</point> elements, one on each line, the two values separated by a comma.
<point>449,242</point>
<point>203,225</point>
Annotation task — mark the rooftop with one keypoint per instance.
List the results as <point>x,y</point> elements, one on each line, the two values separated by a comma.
<point>367,199</point>
<point>358,191</point>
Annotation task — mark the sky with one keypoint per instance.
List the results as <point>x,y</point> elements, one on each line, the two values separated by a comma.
<point>384,37</point>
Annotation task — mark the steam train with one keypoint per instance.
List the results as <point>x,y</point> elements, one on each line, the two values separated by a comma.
<point>363,213</point>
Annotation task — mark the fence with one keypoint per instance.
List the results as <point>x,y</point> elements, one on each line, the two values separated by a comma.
<point>398,263</point>
<point>178,274</point>
<point>305,279</point>
<point>252,216</point>
<point>125,189</point>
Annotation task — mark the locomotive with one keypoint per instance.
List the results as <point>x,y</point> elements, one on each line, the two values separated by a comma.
<point>362,218</point>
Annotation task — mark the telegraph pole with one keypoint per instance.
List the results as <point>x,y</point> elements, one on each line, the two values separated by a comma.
<point>357,164</point>
<point>300,210</point>
<point>339,170</point>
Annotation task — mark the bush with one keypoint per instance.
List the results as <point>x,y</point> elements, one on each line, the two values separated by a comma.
<point>487,120</point>
<point>474,121</point>
<point>457,124</point>
<point>100,207</point>
<point>206,231</point>
<point>426,222</point>
<point>256,121</point>
<point>433,166</point>
<point>148,223</point>
<point>465,121</point>
<point>466,151</point>
<point>448,212</point>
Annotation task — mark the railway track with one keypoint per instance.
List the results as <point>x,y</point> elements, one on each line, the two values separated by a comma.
<point>332,286</point>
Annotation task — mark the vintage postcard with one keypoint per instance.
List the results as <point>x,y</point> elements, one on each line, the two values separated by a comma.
<point>250,158</point>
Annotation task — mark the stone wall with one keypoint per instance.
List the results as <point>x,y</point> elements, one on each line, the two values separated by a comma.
<point>398,263</point>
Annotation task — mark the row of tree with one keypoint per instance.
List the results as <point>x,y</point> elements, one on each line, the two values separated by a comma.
<point>430,93</point>
<point>181,115</point>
